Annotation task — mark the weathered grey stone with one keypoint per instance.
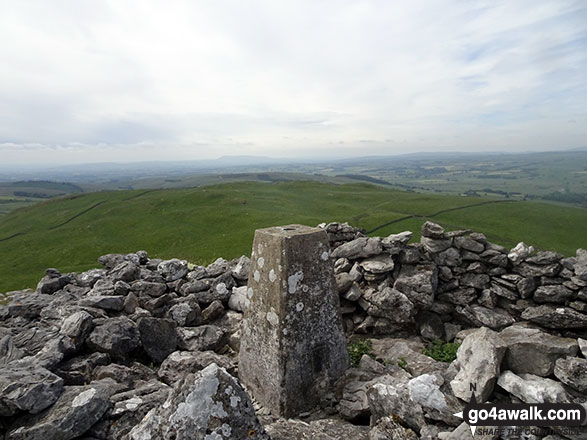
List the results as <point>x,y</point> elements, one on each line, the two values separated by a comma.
<point>505,291</point>
<point>545,257</point>
<point>469,244</point>
<point>395,241</point>
<point>342,265</point>
<point>27,387</point>
<point>8,351</point>
<point>150,288</point>
<point>52,282</point>
<point>292,341</point>
<point>194,286</point>
<point>555,317</point>
<point>572,371</point>
<point>201,338</point>
<point>353,293</point>
<point>180,363</point>
<point>534,270</point>
<point>214,310</point>
<point>241,270</point>
<point>217,268</point>
<point>128,376</point>
<point>220,290</point>
<point>209,404</point>
<point>408,353</point>
<point>435,245</point>
<point>361,247</point>
<point>381,263</point>
<point>323,429</point>
<point>158,337</point>
<point>431,326</point>
<point>110,302</point>
<point>463,432</point>
<point>478,281</point>
<point>533,351</point>
<point>418,283</point>
<point>478,359</point>
<point>77,326</point>
<point>238,299</point>
<point>387,396</point>
<point>552,294</point>
<point>388,303</point>
<point>125,271</point>
<point>495,318</point>
<point>343,282</point>
<point>76,410</point>
<point>450,257</point>
<point>533,389</point>
<point>89,278</point>
<point>432,230</point>
<point>583,346</point>
<point>173,269</point>
<point>386,428</point>
<point>520,252</point>
<point>488,299</point>
<point>78,370</point>
<point>425,391</point>
<point>459,296</point>
<point>28,305</point>
<point>115,336</point>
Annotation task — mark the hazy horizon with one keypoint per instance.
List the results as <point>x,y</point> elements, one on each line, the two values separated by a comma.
<point>88,82</point>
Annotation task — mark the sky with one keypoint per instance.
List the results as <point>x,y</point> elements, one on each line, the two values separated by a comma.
<point>119,81</point>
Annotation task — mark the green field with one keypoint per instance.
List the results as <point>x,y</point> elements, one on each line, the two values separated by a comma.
<point>201,224</point>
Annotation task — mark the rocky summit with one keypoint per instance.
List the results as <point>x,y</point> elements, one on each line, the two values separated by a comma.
<point>144,348</point>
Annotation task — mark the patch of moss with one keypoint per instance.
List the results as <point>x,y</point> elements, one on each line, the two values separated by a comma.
<point>357,349</point>
<point>442,351</point>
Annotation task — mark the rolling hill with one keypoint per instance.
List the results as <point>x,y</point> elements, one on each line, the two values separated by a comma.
<point>203,223</point>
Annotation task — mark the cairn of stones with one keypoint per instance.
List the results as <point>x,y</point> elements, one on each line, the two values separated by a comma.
<point>144,348</point>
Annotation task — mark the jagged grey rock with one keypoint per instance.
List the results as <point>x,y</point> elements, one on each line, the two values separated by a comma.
<point>381,263</point>
<point>201,338</point>
<point>76,410</point>
<point>324,429</point>
<point>173,269</point>
<point>552,294</point>
<point>150,288</point>
<point>209,404</point>
<point>77,327</point>
<point>386,428</point>
<point>388,303</point>
<point>533,389</point>
<point>8,351</point>
<point>126,271</point>
<point>432,230</point>
<point>418,283</point>
<point>425,391</point>
<point>238,299</point>
<point>186,313</point>
<point>158,337</point>
<point>217,268</point>
<point>179,363</point>
<point>533,351</point>
<point>361,247</point>
<point>482,316</point>
<point>107,302</point>
<point>478,359</point>
<point>27,387</point>
<point>79,370</point>
<point>520,252</point>
<point>115,336</point>
<point>572,371</point>
<point>555,317</point>
<point>582,346</point>
<point>241,270</point>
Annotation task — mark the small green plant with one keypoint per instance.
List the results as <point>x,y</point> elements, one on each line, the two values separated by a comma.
<point>357,349</point>
<point>402,363</point>
<point>442,351</point>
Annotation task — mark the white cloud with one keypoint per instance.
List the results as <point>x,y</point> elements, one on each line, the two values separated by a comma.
<point>202,79</point>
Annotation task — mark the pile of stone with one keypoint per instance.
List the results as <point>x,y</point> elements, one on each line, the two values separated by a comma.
<point>455,280</point>
<point>147,349</point>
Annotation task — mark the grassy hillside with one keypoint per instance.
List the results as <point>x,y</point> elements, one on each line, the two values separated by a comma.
<point>203,223</point>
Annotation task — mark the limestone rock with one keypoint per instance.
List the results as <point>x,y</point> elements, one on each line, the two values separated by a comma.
<point>76,410</point>
<point>158,337</point>
<point>361,247</point>
<point>533,351</point>
<point>555,317</point>
<point>382,263</point>
<point>125,271</point>
<point>238,299</point>
<point>533,389</point>
<point>432,230</point>
<point>479,359</point>
<point>205,405</point>
<point>552,294</point>
<point>180,363</point>
<point>520,252</point>
<point>201,338</point>
<point>149,288</point>
<point>572,371</point>
<point>173,269</point>
<point>27,387</point>
<point>241,270</point>
<point>482,316</point>
<point>386,428</point>
<point>389,302</point>
<point>106,302</point>
<point>116,336</point>
<point>323,429</point>
<point>418,283</point>
<point>77,326</point>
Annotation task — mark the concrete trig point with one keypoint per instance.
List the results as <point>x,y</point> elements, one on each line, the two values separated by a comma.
<point>292,342</point>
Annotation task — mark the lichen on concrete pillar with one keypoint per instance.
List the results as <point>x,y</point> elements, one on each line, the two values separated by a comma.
<point>292,341</point>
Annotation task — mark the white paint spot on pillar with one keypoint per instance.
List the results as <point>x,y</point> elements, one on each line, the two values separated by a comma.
<point>299,307</point>
<point>250,292</point>
<point>261,262</point>
<point>260,248</point>
<point>324,256</point>
<point>257,276</point>
<point>272,317</point>
<point>83,398</point>
<point>293,280</point>
<point>272,276</point>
